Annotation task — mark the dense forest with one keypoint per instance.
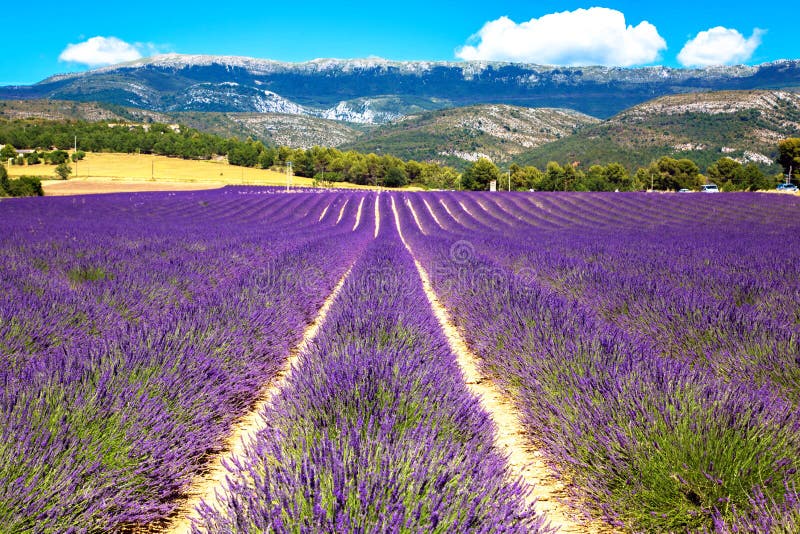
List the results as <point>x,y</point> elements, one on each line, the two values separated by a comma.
<point>51,139</point>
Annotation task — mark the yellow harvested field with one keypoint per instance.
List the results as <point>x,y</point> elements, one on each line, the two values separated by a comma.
<point>92,186</point>
<point>107,173</point>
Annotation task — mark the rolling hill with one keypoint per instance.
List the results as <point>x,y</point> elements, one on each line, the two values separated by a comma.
<point>59,110</point>
<point>270,128</point>
<point>458,135</point>
<point>297,131</point>
<point>703,127</point>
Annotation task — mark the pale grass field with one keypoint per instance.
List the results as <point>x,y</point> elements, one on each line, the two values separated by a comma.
<point>107,173</point>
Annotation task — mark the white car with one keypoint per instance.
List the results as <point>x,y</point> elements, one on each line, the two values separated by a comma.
<point>709,188</point>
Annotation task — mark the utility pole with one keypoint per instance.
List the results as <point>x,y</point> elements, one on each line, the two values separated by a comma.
<point>288,175</point>
<point>509,180</point>
<point>75,153</point>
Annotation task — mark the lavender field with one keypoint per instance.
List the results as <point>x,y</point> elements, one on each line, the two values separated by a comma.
<point>649,346</point>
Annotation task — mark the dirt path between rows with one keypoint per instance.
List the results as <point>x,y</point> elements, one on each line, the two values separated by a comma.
<point>206,487</point>
<point>523,459</point>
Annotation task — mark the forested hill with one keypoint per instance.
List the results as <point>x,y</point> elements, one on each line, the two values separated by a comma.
<point>459,135</point>
<point>378,91</point>
<point>703,127</point>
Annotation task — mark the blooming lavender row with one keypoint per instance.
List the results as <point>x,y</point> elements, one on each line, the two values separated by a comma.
<point>134,329</point>
<point>723,295</point>
<point>652,441</point>
<point>375,430</point>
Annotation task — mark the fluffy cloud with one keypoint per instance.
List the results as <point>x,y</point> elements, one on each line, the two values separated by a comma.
<point>594,36</point>
<point>719,46</point>
<point>99,51</point>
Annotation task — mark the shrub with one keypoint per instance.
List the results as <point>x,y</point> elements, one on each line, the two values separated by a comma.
<point>25,186</point>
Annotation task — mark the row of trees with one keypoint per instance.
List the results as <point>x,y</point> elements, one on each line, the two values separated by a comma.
<point>664,174</point>
<point>54,157</point>
<point>155,138</point>
<point>328,165</point>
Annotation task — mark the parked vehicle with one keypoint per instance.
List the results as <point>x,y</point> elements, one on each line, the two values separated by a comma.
<point>684,190</point>
<point>787,187</point>
<point>709,188</point>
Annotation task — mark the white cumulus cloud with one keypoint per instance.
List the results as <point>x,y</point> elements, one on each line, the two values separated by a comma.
<point>98,51</point>
<point>594,36</point>
<point>719,46</point>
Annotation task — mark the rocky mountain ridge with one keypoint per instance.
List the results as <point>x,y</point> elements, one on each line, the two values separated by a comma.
<point>377,91</point>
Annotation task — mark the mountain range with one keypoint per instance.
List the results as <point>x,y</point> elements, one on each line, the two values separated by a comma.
<point>451,112</point>
<point>376,91</point>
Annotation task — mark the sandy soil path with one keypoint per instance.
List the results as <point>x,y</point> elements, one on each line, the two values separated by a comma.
<point>523,459</point>
<point>433,215</point>
<point>341,211</point>
<point>358,214</point>
<point>377,215</point>
<point>206,486</point>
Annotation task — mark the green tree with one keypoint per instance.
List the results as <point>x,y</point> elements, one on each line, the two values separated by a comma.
<point>244,154</point>
<point>395,177</point>
<point>566,178</point>
<point>413,170</point>
<point>671,174</point>
<point>617,175</point>
<point>645,177</point>
<point>753,179</point>
<point>4,185</point>
<point>595,179</point>
<point>437,177</point>
<point>267,158</point>
<point>57,157</point>
<point>525,178</point>
<point>25,186</point>
<point>478,175</point>
<point>63,170</point>
<point>789,156</point>
<point>725,170</point>
<point>8,152</point>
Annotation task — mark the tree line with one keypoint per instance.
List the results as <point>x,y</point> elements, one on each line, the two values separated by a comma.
<point>328,165</point>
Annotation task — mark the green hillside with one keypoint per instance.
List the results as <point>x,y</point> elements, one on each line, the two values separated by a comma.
<point>459,135</point>
<point>703,127</point>
<point>275,129</point>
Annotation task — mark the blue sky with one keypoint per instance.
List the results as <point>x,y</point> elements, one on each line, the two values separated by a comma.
<point>623,33</point>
